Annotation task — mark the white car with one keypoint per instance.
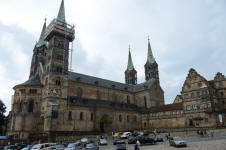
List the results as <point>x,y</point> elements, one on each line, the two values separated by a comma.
<point>125,135</point>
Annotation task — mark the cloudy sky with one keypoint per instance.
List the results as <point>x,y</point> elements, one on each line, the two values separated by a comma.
<point>184,34</point>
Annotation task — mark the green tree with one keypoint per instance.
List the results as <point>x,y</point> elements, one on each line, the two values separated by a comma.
<point>2,116</point>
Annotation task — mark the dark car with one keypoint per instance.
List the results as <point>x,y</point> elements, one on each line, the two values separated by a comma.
<point>10,147</point>
<point>132,140</point>
<point>92,146</point>
<point>121,145</point>
<point>177,142</point>
<point>159,138</point>
<point>115,140</point>
<point>145,140</point>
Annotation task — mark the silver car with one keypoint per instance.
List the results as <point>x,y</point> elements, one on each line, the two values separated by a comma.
<point>177,142</point>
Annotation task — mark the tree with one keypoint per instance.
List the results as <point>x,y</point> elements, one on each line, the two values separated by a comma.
<point>2,116</point>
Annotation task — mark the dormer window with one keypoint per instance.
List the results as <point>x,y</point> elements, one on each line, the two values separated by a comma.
<point>113,86</point>
<point>78,79</point>
<point>96,82</point>
<point>220,84</point>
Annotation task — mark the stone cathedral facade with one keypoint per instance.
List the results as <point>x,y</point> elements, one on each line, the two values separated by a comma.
<point>56,102</point>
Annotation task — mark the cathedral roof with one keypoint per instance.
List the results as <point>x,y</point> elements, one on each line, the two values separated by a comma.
<point>33,81</point>
<point>110,84</point>
<point>150,57</point>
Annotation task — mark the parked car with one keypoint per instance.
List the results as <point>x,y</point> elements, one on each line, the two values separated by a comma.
<point>159,138</point>
<point>121,145</point>
<point>125,135</point>
<point>57,147</point>
<point>42,146</point>
<point>117,134</point>
<point>28,147</point>
<point>115,139</point>
<point>132,140</point>
<point>177,142</point>
<point>74,146</point>
<point>145,140</point>
<point>102,142</point>
<point>10,147</point>
<point>92,146</point>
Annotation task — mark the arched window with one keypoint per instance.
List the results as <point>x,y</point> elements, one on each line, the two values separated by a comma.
<point>127,118</point>
<point>20,106</point>
<point>31,106</point>
<point>120,118</point>
<point>81,115</point>
<point>91,116</point>
<point>79,92</point>
<point>69,116</point>
<point>145,102</point>
<point>128,99</point>
<point>58,83</point>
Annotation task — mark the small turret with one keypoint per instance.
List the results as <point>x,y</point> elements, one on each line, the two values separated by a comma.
<point>130,73</point>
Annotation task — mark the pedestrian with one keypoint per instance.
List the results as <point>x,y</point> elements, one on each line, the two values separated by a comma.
<point>211,133</point>
<point>138,145</point>
<point>201,133</point>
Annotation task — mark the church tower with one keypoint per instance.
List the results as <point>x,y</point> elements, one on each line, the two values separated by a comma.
<point>39,53</point>
<point>151,66</point>
<point>58,34</point>
<point>130,73</point>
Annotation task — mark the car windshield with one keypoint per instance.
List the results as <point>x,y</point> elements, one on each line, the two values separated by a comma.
<point>177,139</point>
<point>158,136</point>
<point>90,145</point>
<point>102,140</point>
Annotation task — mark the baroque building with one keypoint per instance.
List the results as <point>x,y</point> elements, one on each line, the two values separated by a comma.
<point>55,102</point>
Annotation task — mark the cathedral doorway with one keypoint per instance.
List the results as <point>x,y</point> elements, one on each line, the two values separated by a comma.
<point>105,123</point>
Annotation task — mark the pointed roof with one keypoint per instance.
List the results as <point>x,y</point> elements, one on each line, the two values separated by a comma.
<point>61,13</point>
<point>130,62</point>
<point>150,57</point>
<point>41,40</point>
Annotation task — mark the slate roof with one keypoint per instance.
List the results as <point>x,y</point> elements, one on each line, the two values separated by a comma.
<point>33,81</point>
<point>168,107</point>
<point>82,78</point>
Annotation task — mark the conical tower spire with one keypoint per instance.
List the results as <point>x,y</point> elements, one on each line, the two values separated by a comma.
<point>61,13</point>
<point>150,57</point>
<point>130,62</point>
<point>41,40</point>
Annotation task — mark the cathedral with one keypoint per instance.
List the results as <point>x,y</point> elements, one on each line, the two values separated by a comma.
<point>56,102</point>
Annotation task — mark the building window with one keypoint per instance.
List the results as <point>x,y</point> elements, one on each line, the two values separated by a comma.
<point>81,115</point>
<point>145,102</point>
<point>20,106</point>
<point>202,106</point>
<point>194,107</point>
<point>185,96</point>
<point>69,116</point>
<point>98,95</point>
<point>188,86</point>
<point>91,116</point>
<point>128,99</point>
<point>127,118</point>
<point>145,124</point>
<point>58,83</point>
<point>32,91</point>
<point>188,107</point>
<point>198,93</point>
<point>199,84</point>
<point>59,69</point>
<point>22,91</point>
<point>54,114</point>
<point>209,105</point>
<point>114,97</point>
<point>120,118</point>
<point>135,118</point>
<point>192,95</point>
<point>220,84</point>
<point>222,93</point>
<point>59,57</point>
<point>79,92</point>
<point>30,105</point>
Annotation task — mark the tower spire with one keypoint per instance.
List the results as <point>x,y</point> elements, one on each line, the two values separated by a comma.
<point>150,57</point>
<point>41,40</point>
<point>130,62</point>
<point>61,13</point>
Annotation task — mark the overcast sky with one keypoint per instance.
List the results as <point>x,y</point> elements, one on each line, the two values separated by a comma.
<point>184,34</point>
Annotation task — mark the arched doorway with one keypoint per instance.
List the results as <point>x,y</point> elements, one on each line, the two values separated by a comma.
<point>105,123</point>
